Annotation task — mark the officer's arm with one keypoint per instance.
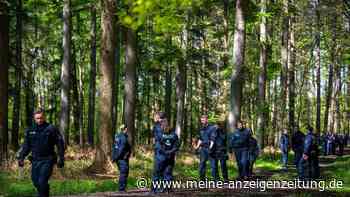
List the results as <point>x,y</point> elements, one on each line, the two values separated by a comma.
<point>175,147</point>
<point>59,144</point>
<point>213,135</point>
<point>307,145</point>
<point>121,146</point>
<point>198,144</point>
<point>25,150</point>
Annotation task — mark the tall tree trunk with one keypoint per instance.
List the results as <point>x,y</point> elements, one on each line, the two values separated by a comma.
<point>335,117</point>
<point>65,70</point>
<point>262,78</point>
<point>4,66</point>
<point>102,161</point>
<point>226,33</point>
<point>284,61</point>
<point>328,98</point>
<point>117,78</point>
<point>92,81</point>
<point>180,95</point>
<point>168,88</point>
<point>18,71</point>
<point>317,54</point>
<point>238,69</point>
<point>348,99</point>
<point>75,95</point>
<point>130,84</point>
<point>291,74</point>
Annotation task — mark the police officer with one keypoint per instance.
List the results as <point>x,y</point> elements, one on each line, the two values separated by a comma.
<point>239,143</point>
<point>331,144</point>
<point>165,158</point>
<point>341,142</point>
<point>205,145</point>
<point>284,146</point>
<point>253,153</point>
<point>120,155</point>
<point>324,143</point>
<point>297,146</point>
<point>309,162</point>
<point>41,140</point>
<point>157,130</point>
<point>221,149</point>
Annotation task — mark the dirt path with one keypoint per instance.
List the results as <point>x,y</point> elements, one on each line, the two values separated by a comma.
<point>325,162</point>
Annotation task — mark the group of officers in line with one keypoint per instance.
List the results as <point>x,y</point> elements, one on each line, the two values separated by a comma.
<point>306,150</point>
<point>213,144</point>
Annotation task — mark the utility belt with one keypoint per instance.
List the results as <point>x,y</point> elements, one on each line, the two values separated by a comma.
<point>42,158</point>
<point>205,145</point>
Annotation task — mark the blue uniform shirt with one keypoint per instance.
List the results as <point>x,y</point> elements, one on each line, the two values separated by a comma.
<point>298,141</point>
<point>121,147</point>
<point>221,140</point>
<point>207,134</point>
<point>284,143</point>
<point>169,144</point>
<point>240,138</point>
<point>41,141</point>
<point>310,145</point>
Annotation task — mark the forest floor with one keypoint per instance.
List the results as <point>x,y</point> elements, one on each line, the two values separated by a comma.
<point>74,181</point>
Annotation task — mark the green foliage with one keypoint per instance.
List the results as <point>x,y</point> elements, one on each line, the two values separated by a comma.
<point>273,70</point>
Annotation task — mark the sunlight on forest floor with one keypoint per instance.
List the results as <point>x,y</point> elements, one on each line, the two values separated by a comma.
<point>74,179</point>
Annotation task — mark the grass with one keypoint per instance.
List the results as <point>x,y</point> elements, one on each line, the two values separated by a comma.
<point>76,181</point>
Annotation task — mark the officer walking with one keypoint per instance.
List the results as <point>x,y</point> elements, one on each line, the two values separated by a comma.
<point>309,161</point>
<point>239,143</point>
<point>41,140</point>
<point>297,146</point>
<point>221,149</point>
<point>206,148</point>
<point>165,158</point>
<point>341,142</point>
<point>331,144</point>
<point>253,153</point>
<point>284,146</point>
<point>120,155</point>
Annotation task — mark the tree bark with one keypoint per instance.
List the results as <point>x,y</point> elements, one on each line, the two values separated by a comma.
<point>238,59</point>
<point>168,90</point>
<point>65,72</point>
<point>291,74</point>
<point>4,67</point>
<point>284,61</point>
<point>117,77</point>
<point>18,71</point>
<point>262,78</point>
<point>102,161</point>
<point>180,94</point>
<point>317,54</point>
<point>130,84</point>
<point>92,81</point>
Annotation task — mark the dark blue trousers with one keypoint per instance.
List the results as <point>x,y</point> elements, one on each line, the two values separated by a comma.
<point>242,155</point>
<point>123,167</point>
<point>309,169</point>
<point>204,157</point>
<point>163,169</point>
<point>223,167</point>
<point>41,173</point>
<point>284,159</point>
<point>297,156</point>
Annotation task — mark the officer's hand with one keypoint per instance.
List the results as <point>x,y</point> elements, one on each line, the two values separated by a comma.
<point>60,163</point>
<point>20,163</point>
<point>305,157</point>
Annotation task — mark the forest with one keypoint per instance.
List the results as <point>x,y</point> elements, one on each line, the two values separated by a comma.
<point>95,65</point>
